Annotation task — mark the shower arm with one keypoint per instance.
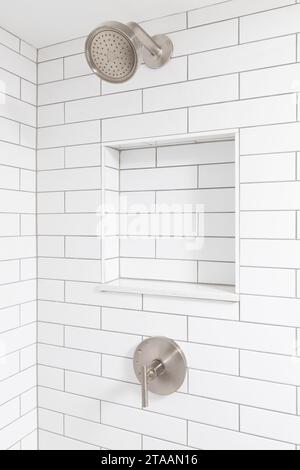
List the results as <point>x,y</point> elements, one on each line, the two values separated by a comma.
<point>145,39</point>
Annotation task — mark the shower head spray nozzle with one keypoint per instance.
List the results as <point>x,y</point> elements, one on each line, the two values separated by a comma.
<point>113,50</point>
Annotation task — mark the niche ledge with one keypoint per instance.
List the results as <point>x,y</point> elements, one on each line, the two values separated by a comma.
<point>172,289</point>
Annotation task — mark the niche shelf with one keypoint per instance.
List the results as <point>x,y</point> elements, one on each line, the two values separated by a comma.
<point>170,216</point>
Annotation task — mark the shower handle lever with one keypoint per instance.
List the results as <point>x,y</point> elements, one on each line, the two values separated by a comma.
<point>149,374</point>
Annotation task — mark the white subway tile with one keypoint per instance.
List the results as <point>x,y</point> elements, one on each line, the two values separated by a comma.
<point>144,323</point>
<point>28,401</point>
<point>70,404</point>
<point>83,156</point>
<point>69,134</point>
<point>13,294</point>
<point>145,125</point>
<point>51,115</point>
<point>75,66</point>
<point>196,154</point>
<point>28,136</point>
<point>9,83</point>
<point>10,40</point>
<point>17,247</point>
<point>211,438</point>
<point>213,272</point>
<point>17,64</point>
<point>50,290</point>
<point>28,180</point>
<point>70,269</point>
<point>208,37</point>
<point>101,435</point>
<point>216,176</point>
<point>270,310</point>
<point>211,358</point>
<point>206,249</point>
<point>246,336</point>
<point>271,253</point>
<point>50,377</point>
<point>50,203</point>
<point>51,421</point>
<point>211,90</point>
<point>204,200</point>
<point>278,426</point>
<point>50,441</point>
<point>278,22</point>
<point>254,112</point>
<point>106,342</point>
<point>51,159</point>
<point>263,168</point>
<point>151,424</point>
<point>83,247</point>
<point>20,111</point>
<point>28,224</point>
<point>18,338</point>
<point>18,384</point>
<point>192,307</point>
<point>137,158</point>
<point>198,409</point>
<point>68,224</point>
<point>51,246</point>
<point>9,177</point>
<point>28,92</point>
<point>9,412</point>
<point>243,57</point>
<point>270,196</point>
<point>10,318</point>
<point>270,81</point>
<point>137,247</point>
<point>70,180</point>
<point>9,131</point>
<point>226,10</point>
<point>28,50</point>
<point>51,334</point>
<point>268,139</point>
<point>50,71</point>
<point>166,270</point>
<point>104,107</point>
<point>9,225</point>
<point>17,430</point>
<point>64,358</point>
<point>63,49</point>
<point>69,314</point>
<point>150,443</point>
<point>239,390</point>
<point>28,358</point>
<point>158,179</point>
<point>67,90</point>
<point>275,368</point>
<point>264,281</point>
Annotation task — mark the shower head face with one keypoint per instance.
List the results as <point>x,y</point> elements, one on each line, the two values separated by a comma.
<point>112,52</point>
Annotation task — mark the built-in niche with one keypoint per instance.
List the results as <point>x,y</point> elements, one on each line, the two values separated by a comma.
<point>170,216</point>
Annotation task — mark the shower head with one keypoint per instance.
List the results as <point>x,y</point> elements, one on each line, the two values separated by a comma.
<point>113,50</point>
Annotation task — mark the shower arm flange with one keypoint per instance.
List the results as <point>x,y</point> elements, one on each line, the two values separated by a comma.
<point>145,39</point>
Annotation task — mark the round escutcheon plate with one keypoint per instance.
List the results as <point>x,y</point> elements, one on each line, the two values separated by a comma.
<point>170,355</point>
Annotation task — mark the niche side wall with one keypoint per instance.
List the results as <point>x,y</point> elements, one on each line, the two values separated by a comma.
<point>18,402</point>
<point>234,66</point>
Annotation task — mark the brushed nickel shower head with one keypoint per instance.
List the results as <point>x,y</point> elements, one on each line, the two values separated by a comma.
<point>114,50</point>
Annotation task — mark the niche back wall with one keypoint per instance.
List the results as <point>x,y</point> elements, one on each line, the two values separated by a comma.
<point>235,66</point>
